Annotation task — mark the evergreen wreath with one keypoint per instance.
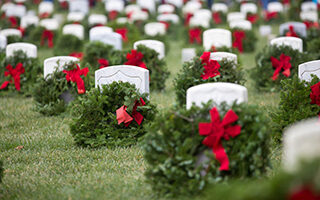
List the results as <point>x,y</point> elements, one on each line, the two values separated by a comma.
<point>295,104</point>
<point>31,67</point>
<point>294,10</point>
<point>173,145</point>
<point>191,72</point>
<point>95,121</point>
<point>1,171</point>
<point>247,41</point>
<point>67,44</point>
<point>13,39</point>
<point>36,35</point>
<point>263,72</point>
<point>129,32</point>
<point>48,93</point>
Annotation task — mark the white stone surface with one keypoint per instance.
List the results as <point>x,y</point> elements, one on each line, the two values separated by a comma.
<point>97,33</point>
<point>309,16</point>
<point>75,16</point>
<point>122,20</point>
<point>131,8</point>
<point>177,3</point>
<point>173,18</point>
<point>217,37</point>
<point>308,68</point>
<point>235,16</point>
<point>29,49</point>
<point>7,6</point>
<point>110,38</point>
<point>301,142</point>
<point>97,19</point>
<point>51,64</point>
<point>156,45</point>
<point>309,6</point>
<point>125,73</point>
<point>29,20</point>
<point>79,6</point>
<point>150,5</point>
<point>298,27</point>
<point>114,5</point>
<point>155,28</point>
<point>3,42</point>
<point>10,31</point>
<point>166,8</point>
<point>275,7</point>
<point>74,29</point>
<point>139,16</point>
<point>16,11</point>
<point>241,24</point>
<point>265,30</point>
<point>187,54</point>
<point>218,92</point>
<point>194,22</point>
<point>50,24</point>
<point>248,8</point>
<point>219,56</point>
<point>219,7</point>
<point>191,7</point>
<point>203,14</point>
<point>293,42</point>
<point>45,7</point>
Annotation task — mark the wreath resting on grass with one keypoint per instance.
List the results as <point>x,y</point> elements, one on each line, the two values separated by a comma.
<point>193,73</point>
<point>19,73</point>
<point>274,64</point>
<point>115,115</point>
<point>299,100</point>
<point>244,40</point>
<point>52,95</point>
<point>174,147</point>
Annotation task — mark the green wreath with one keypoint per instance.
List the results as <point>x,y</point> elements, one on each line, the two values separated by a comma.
<point>249,41</point>
<point>95,121</point>
<point>1,171</point>
<point>67,44</point>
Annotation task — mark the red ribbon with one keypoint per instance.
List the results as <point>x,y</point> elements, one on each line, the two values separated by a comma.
<point>315,94</point>
<point>44,15</point>
<point>74,76</point>
<point>217,18</point>
<point>46,34</point>
<point>77,55</point>
<point>167,24</point>
<point>15,76</point>
<point>123,116</point>
<point>187,19</point>
<point>135,58</point>
<point>238,40</point>
<point>195,35</point>
<point>282,64</point>
<point>253,18</point>
<point>22,30</point>
<point>291,32</point>
<point>271,15</point>
<point>216,130</point>
<point>64,4</point>
<point>103,63</point>
<point>311,24</point>
<point>123,32</point>
<point>13,21</point>
<point>286,2</point>
<point>113,14</point>
<point>211,67</point>
<point>305,193</point>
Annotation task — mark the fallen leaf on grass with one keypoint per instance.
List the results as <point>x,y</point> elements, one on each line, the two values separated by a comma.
<point>19,147</point>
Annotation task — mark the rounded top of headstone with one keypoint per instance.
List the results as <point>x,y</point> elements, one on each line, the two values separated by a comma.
<point>218,56</point>
<point>10,31</point>
<point>156,45</point>
<point>248,8</point>
<point>305,70</point>
<point>114,5</point>
<point>132,8</point>
<point>50,24</point>
<point>298,27</point>
<point>242,24</point>
<point>219,7</point>
<point>191,7</point>
<point>169,18</point>
<point>275,7</point>
<point>75,16</point>
<point>166,8</point>
<point>293,42</point>
<point>309,6</point>
<point>97,19</point>
<point>235,16</point>
<point>155,28</point>
<point>28,48</point>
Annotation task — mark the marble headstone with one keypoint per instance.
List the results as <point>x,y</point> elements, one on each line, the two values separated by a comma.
<point>306,69</point>
<point>29,49</point>
<point>156,45</point>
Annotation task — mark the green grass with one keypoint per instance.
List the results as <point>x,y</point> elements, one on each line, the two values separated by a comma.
<point>50,166</point>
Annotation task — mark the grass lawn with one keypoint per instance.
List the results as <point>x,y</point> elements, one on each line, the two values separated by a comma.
<point>50,166</point>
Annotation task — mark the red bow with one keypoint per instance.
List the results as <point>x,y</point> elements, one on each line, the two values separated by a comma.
<point>13,21</point>
<point>15,76</point>
<point>22,30</point>
<point>211,67</point>
<point>216,130</point>
<point>46,34</point>
<point>74,76</point>
<point>305,193</point>
<point>238,37</point>
<point>216,18</point>
<point>123,116</point>
<point>44,15</point>
<point>113,14</point>
<point>282,64</point>
<point>271,15</point>
<point>123,32</point>
<point>286,2</point>
<point>291,32</point>
<point>64,4</point>
<point>187,19</point>
<point>167,24</point>
<point>311,24</point>
<point>315,94</point>
<point>253,18</point>
<point>77,55</point>
<point>135,58</point>
<point>103,63</point>
<point>195,35</point>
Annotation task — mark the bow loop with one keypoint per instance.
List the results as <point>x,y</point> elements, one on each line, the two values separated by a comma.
<point>47,34</point>
<point>123,32</point>
<point>15,76</point>
<point>74,76</point>
<point>135,58</point>
<point>103,63</point>
<point>123,116</point>
<point>195,35</point>
<point>282,64</point>
<point>238,40</point>
<point>211,67</point>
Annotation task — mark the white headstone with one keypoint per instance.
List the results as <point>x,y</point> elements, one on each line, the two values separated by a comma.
<point>139,16</point>
<point>219,56</point>
<point>125,73</point>
<point>59,17</point>
<point>7,6</point>
<point>150,5</point>
<point>155,28</point>
<point>265,30</point>
<point>10,31</point>
<point>248,8</point>
<point>114,5</point>
<point>97,19</point>
<point>309,6</point>
<point>216,37</point>
<point>298,27</point>
<point>309,16</point>
<point>177,3</point>
<point>293,42</point>
<point>194,22</point>
<point>235,16</point>
<point>79,6</point>
<point>110,38</point>
<point>29,20</point>
<point>156,45</point>
<point>166,8</point>
<point>51,64</point>
<point>191,7</point>
<point>16,11</point>
<point>173,18</point>
<point>308,68</point>
<point>97,33</point>
<point>46,7</point>
<point>301,142</point>
<point>219,7</point>
<point>50,24</point>
<point>188,54</point>
<point>131,8</point>
<point>3,41</point>
<point>275,7</point>
<point>29,49</point>
<point>74,29</point>
<point>203,14</point>
<point>75,16</point>
<point>122,20</point>
<point>241,24</point>
<point>218,92</point>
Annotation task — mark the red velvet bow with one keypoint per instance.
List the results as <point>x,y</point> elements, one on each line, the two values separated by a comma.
<point>253,18</point>
<point>286,2</point>
<point>211,67</point>
<point>64,4</point>
<point>77,55</point>
<point>44,15</point>
<point>291,32</point>
<point>187,19</point>
<point>216,130</point>
<point>282,64</point>
<point>123,32</point>
<point>271,15</point>
<point>216,18</point>
<point>22,30</point>
<point>15,76</point>
<point>167,24</point>
<point>315,94</point>
<point>46,34</point>
<point>74,76</point>
<point>113,14</point>
<point>311,24</point>
<point>123,116</point>
<point>135,58</point>
<point>195,35</point>
<point>13,21</point>
<point>103,63</point>
<point>305,193</point>
<point>238,37</point>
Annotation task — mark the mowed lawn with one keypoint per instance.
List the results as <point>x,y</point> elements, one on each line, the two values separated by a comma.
<point>42,162</point>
